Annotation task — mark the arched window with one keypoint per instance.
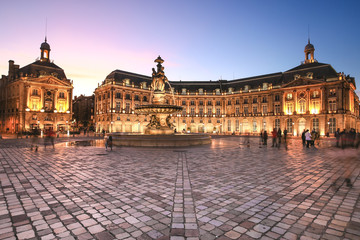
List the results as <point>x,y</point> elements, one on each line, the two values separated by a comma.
<point>277,123</point>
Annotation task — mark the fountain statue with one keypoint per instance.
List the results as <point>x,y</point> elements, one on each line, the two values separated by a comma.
<point>159,111</point>
<point>160,130</point>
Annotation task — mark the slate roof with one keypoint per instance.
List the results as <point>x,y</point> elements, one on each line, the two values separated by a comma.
<point>37,66</point>
<point>321,72</point>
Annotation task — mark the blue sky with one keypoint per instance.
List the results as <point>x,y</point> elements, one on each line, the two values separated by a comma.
<point>199,40</point>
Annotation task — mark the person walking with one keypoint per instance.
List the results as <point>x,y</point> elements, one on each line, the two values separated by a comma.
<point>279,137</point>
<point>35,139</point>
<point>265,136</point>
<point>109,142</point>
<point>303,138</point>
<point>307,138</point>
<point>274,136</point>
<point>285,134</point>
<point>337,136</point>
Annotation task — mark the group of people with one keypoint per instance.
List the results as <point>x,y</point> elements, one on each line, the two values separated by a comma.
<point>276,135</point>
<point>347,138</point>
<point>49,138</point>
<point>308,139</point>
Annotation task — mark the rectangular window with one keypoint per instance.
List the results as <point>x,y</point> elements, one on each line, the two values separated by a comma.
<point>237,111</point>
<point>209,103</point>
<point>192,111</point>
<point>183,103</point>
<point>277,123</point>
<point>127,108</point>
<point>277,97</point>
<point>118,106</point>
<point>246,101</point>
<point>201,111</point>
<point>254,126</point>
<point>332,125</point>
<point>289,108</point>
<point>302,106</point>
<point>277,109</point>
<point>192,103</point>
<point>255,110</point>
<point>61,95</point>
<point>201,103</point>
<point>229,102</point>
<point>237,125</point>
<point>217,103</point>
<point>218,112</point>
<point>237,102</point>
<point>254,100</point>
<point>118,95</point>
<point>265,111</point>
<point>229,125</point>
<point>332,105</point>
<point>289,96</point>
<point>246,110</point>
<point>315,124</point>
<point>209,111</point>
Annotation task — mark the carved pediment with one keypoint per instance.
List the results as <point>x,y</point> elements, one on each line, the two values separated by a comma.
<point>52,80</point>
<point>301,82</point>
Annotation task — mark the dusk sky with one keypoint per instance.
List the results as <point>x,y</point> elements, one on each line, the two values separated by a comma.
<point>199,40</point>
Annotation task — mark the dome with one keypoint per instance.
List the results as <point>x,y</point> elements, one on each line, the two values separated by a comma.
<point>45,46</point>
<point>309,47</point>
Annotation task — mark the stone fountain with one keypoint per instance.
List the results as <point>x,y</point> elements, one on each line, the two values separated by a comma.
<point>160,131</point>
<point>159,111</point>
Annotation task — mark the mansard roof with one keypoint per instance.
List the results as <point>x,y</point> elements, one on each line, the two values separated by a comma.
<point>37,67</point>
<point>320,73</point>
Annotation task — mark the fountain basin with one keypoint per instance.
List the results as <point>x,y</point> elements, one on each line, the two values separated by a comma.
<point>155,109</point>
<point>159,140</point>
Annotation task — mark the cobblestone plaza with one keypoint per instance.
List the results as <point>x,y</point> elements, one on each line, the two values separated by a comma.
<point>225,190</point>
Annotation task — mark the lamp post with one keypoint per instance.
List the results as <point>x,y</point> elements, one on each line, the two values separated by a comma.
<point>67,127</point>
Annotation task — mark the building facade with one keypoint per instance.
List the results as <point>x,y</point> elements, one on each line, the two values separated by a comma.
<point>309,96</point>
<point>83,108</point>
<point>35,96</point>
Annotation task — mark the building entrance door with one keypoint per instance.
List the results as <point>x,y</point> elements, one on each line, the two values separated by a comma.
<point>302,123</point>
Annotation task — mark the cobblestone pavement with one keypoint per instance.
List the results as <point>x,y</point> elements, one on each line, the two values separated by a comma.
<point>225,190</point>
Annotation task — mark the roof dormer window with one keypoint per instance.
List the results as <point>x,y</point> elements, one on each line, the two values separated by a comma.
<point>201,91</point>
<point>265,86</point>
<point>296,77</point>
<point>230,90</point>
<point>183,91</point>
<point>309,75</point>
<point>217,91</point>
<point>246,88</point>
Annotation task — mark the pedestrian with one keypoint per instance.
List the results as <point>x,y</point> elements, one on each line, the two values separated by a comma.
<point>274,136</point>
<point>307,137</point>
<point>265,138</point>
<point>313,137</point>
<point>110,144</point>
<point>52,137</point>
<point>285,134</point>
<point>279,136</point>
<point>35,139</point>
<point>337,136</point>
<point>303,137</point>
<point>103,132</point>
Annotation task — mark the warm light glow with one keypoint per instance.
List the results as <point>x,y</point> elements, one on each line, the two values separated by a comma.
<point>55,111</point>
<point>42,110</point>
<point>27,109</point>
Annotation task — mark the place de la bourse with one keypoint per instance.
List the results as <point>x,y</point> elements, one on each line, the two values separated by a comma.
<point>309,96</point>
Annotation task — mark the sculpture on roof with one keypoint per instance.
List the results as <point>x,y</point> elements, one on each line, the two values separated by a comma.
<point>158,77</point>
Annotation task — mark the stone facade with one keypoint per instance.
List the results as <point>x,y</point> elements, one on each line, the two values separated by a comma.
<point>310,96</point>
<point>83,108</point>
<point>35,96</point>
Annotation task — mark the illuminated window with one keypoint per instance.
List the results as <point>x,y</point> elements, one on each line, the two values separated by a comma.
<point>237,110</point>
<point>332,92</point>
<point>183,91</point>
<point>315,124</point>
<point>289,96</point>
<point>289,108</point>
<point>265,86</point>
<point>315,94</point>
<point>246,88</point>
<point>254,126</point>
<point>302,106</point>
<point>61,107</point>
<point>118,106</point>
<point>315,107</point>
<point>230,90</point>
<point>289,125</point>
<point>237,125</point>
<point>229,125</point>
<point>332,125</point>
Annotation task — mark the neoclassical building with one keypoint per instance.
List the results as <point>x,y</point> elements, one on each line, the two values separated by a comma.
<point>37,95</point>
<point>309,96</point>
